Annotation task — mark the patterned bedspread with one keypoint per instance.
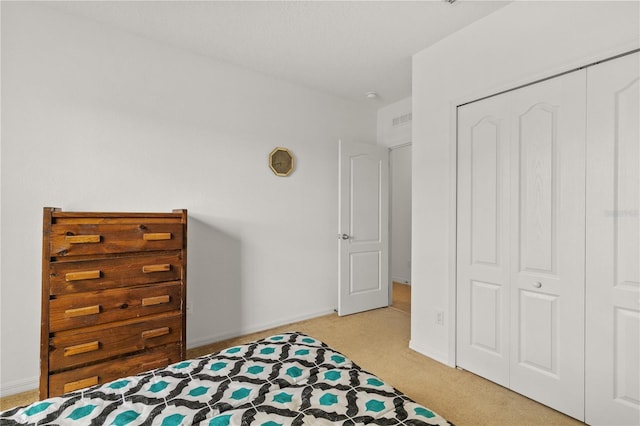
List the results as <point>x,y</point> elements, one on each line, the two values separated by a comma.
<point>287,379</point>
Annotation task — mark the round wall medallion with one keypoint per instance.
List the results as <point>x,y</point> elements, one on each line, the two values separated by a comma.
<point>281,161</point>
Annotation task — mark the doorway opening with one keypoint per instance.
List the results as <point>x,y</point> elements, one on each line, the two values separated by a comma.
<point>401,296</point>
<point>400,226</point>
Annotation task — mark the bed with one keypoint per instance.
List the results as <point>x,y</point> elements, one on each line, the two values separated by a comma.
<point>285,379</point>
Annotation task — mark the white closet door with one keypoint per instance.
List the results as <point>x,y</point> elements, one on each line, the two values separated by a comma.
<point>483,231</point>
<point>613,241</point>
<point>547,242</point>
<point>521,239</point>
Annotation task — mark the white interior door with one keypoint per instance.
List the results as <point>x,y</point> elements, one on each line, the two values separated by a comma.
<point>363,227</point>
<point>548,242</point>
<point>613,243</point>
<point>483,239</point>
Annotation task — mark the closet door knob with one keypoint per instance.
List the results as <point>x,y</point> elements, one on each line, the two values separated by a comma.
<point>537,284</point>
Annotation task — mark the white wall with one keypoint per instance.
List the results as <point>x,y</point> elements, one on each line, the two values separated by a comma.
<point>400,213</point>
<point>394,131</point>
<point>394,123</point>
<point>95,119</point>
<point>519,43</point>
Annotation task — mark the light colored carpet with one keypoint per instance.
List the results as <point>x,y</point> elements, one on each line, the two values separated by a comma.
<point>401,297</point>
<point>378,341</point>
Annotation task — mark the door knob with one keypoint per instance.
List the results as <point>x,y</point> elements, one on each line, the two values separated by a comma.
<point>344,236</point>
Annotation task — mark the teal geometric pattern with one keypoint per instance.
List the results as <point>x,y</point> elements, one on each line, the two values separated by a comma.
<point>286,379</point>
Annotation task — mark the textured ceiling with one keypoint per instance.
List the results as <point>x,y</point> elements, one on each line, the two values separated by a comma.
<point>344,48</point>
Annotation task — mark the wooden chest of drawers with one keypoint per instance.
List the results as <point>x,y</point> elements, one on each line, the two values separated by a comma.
<point>113,296</point>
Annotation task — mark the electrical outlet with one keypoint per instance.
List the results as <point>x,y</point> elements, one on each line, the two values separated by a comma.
<point>189,308</point>
<point>440,317</point>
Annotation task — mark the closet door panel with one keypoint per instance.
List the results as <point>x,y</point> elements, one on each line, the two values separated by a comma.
<point>547,242</point>
<point>483,291</point>
<point>538,188</point>
<point>613,242</point>
<point>538,328</point>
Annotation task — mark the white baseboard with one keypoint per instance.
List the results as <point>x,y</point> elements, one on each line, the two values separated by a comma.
<point>437,356</point>
<point>19,386</point>
<point>230,334</point>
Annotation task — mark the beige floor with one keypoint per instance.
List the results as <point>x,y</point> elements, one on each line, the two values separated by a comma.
<point>378,341</point>
<point>401,297</point>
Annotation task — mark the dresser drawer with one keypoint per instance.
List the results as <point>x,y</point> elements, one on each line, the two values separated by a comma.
<point>68,239</point>
<point>76,347</point>
<point>89,275</point>
<point>86,309</point>
<point>105,372</point>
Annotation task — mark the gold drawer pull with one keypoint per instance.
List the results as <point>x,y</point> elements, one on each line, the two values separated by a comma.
<point>82,239</point>
<point>156,268</point>
<point>79,384</point>
<point>152,365</point>
<point>80,349</point>
<point>83,275</point>
<point>157,332</point>
<point>157,236</point>
<point>155,300</point>
<point>80,312</point>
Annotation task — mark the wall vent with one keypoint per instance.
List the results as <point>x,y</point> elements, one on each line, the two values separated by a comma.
<point>401,120</point>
